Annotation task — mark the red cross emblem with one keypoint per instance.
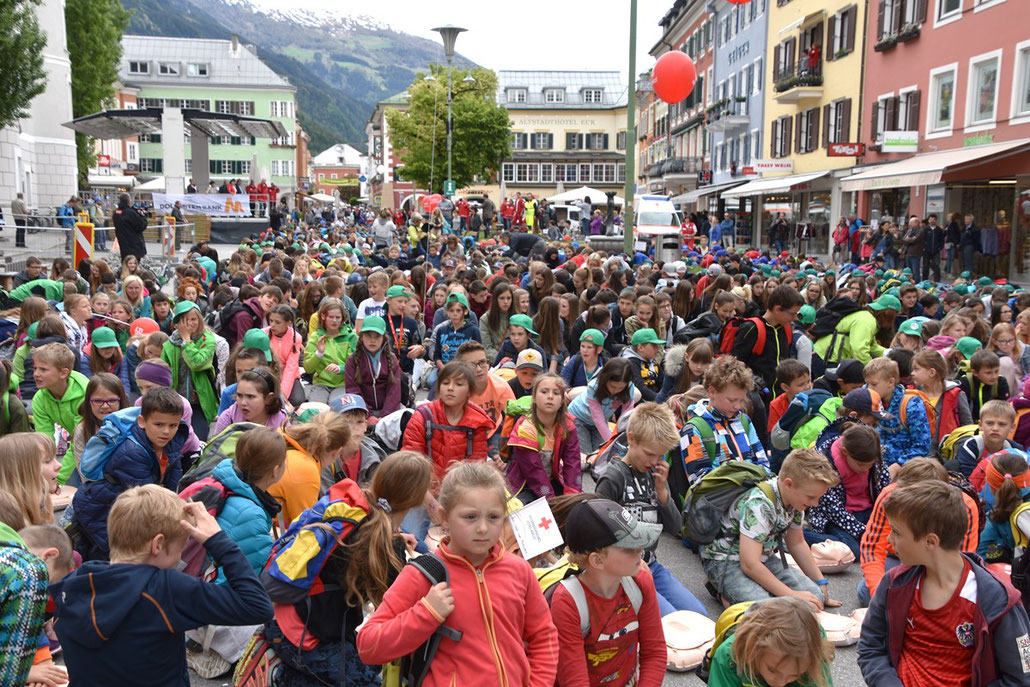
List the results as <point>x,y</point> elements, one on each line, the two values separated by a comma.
<point>545,523</point>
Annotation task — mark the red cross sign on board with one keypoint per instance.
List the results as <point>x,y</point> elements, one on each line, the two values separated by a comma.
<point>545,523</point>
<point>535,529</point>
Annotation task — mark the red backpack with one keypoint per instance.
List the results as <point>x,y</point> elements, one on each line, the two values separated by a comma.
<point>213,495</point>
<point>728,334</point>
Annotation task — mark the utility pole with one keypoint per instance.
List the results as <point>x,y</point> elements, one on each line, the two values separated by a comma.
<point>631,135</point>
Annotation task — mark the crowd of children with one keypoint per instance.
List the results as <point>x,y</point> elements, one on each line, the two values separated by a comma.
<point>237,474</point>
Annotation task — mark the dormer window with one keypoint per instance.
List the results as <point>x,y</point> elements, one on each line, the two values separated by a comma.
<point>516,95</point>
<point>592,95</point>
<point>554,95</point>
<point>168,68</point>
<point>139,67</point>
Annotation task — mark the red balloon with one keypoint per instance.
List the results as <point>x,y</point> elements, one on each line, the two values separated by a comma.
<point>673,76</point>
<point>429,203</point>
<point>142,326</point>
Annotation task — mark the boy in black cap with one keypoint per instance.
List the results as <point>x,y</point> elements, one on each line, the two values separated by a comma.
<point>609,625</point>
<point>841,380</point>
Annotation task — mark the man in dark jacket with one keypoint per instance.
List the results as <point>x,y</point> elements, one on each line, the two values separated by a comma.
<point>914,239</point>
<point>969,241</point>
<point>932,247</point>
<point>129,226</point>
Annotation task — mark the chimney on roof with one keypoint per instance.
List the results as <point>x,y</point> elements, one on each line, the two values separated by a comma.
<point>235,43</point>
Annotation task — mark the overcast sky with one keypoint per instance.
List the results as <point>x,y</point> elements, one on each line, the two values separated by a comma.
<point>525,34</point>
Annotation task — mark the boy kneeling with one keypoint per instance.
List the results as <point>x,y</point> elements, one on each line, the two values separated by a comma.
<point>941,617</point>
<point>624,629</point>
<point>742,563</point>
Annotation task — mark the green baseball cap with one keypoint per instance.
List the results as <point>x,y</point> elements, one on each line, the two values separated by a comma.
<point>960,289</point>
<point>524,321</point>
<point>373,324</point>
<point>967,346</point>
<point>893,291</point>
<point>878,273</point>
<point>911,327</point>
<point>966,274</point>
<point>646,336</point>
<point>348,248</point>
<point>886,302</point>
<point>256,338</point>
<point>103,337</point>
<point>460,298</point>
<point>594,336</point>
<point>830,272</point>
<point>907,270</point>
<point>398,291</point>
<point>985,281</point>
<point>806,315</point>
<point>183,307</point>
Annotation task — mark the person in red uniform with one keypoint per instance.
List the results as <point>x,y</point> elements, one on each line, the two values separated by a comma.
<point>464,212</point>
<point>519,217</point>
<point>507,213</point>
<point>252,194</point>
<point>262,197</point>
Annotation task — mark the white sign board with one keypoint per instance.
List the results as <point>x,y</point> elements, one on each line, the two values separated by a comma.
<point>778,165</point>
<point>900,142</point>
<point>213,204</point>
<point>535,529</point>
<point>935,200</point>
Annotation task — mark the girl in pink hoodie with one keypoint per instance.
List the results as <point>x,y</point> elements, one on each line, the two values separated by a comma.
<point>494,599</point>
<point>286,345</point>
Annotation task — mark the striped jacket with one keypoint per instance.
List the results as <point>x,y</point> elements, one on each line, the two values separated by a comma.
<point>24,581</point>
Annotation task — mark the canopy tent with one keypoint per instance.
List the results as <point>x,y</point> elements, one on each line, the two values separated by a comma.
<point>596,196</point>
<point>322,197</point>
<point>157,184</point>
<point>929,168</point>
<point>111,180</point>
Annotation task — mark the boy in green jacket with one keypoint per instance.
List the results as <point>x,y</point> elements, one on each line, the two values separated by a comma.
<point>61,392</point>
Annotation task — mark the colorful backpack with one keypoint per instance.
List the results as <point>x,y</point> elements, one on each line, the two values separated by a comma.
<point>213,495</point>
<point>116,429</point>
<point>931,414</point>
<point>711,498</point>
<point>954,439</point>
<point>217,449</point>
<point>513,411</point>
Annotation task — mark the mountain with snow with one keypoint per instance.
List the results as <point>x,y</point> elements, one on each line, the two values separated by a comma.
<point>342,62</point>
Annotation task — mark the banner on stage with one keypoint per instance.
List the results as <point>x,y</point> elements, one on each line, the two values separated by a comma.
<point>213,204</point>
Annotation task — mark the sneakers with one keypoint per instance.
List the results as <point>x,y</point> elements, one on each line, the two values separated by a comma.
<point>207,664</point>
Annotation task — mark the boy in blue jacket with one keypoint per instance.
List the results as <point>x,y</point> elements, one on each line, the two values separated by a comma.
<point>150,454</point>
<point>941,617</point>
<point>123,622</point>
<point>904,433</point>
<point>449,336</point>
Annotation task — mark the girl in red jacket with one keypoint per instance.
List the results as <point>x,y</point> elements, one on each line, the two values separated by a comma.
<point>493,599</point>
<point>544,445</point>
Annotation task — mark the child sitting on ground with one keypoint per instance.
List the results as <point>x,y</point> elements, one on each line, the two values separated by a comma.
<point>742,564</point>
<point>609,392</point>
<point>528,366</point>
<point>997,420</point>
<point>941,618</point>
<point>624,643</point>
<point>121,620</point>
<point>793,378</point>
<point>544,445</point>
<point>53,545</point>
<point>648,377</point>
<point>639,482</point>
<point>905,433</point>
<point>61,391</point>
<point>983,382</point>
<point>24,579</point>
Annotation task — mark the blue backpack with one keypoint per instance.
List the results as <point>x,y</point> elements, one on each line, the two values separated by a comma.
<point>116,429</point>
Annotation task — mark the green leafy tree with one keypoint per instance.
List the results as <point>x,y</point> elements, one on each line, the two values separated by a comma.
<point>482,130</point>
<point>22,76</point>
<point>94,29</point>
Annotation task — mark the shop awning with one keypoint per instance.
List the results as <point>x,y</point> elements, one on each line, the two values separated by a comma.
<point>928,168</point>
<point>760,187</point>
<point>112,180</point>
<point>802,21</point>
<point>697,194</point>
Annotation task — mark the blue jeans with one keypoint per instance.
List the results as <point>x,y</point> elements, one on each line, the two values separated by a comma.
<point>836,533</point>
<point>864,595</point>
<point>950,258</point>
<point>780,246</point>
<point>914,264</point>
<point>734,586</point>
<point>672,595</point>
<point>967,258</point>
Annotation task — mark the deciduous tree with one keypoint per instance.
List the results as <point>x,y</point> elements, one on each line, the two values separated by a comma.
<point>22,76</point>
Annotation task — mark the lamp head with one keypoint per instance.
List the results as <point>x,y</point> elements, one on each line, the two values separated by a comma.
<point>449,34</point>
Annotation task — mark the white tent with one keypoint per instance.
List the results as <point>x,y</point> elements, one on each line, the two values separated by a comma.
<point>112,180</point>
<point>322,197</point>
<point>156,184</point>
<point>597,197</point>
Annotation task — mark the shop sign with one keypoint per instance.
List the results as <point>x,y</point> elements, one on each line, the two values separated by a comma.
<point>900,142</point>
<point>747,170</point>
<point>103,160</point>
<point>704,177</point>
<point>977,140</point>
<point>767,165</point>
<point>935,199</point>
<point>845,150</point>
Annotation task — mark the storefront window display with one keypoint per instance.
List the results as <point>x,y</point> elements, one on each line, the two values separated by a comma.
<point>890,204</point>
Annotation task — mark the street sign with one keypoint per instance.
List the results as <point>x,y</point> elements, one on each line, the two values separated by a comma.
<point>773,165</point>
<point>103,160</point>
<point>900,142</point>
<point>448,187</point>
<point>362,178</point>
<point>845,150</point>
<point>704,177</point>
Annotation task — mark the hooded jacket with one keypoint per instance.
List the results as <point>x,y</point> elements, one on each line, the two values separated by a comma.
<point>287,349</point>
<point>246,516</point>
<point>23,366</point>
<point>448,445</point>
<point>507,640</point>
<point>1000,629</point>
<point>133,463</point>
<point>193,370</point>
<point>648,377</point>
<point>707,325</point>
<point>674,365</point>
<point>48,411</point>
<point>381,395</point>
<point>24,579</point>
<point>854,337</point>
<point>337,350</point>
<point>527,470</point>
<point>124,623</point>
<point>778,346</point>
<point>507,350</point>
<point>914,439</point>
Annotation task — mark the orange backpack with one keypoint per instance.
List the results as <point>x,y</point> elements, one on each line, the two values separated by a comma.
<point>931,414</point>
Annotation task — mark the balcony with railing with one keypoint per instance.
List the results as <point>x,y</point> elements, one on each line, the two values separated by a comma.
<point>728,114</point>
<point>673,166</point>
<point>799,81</point>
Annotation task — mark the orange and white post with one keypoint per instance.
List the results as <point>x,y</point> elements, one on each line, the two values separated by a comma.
<point>83,246</point>
<point>168,237</point>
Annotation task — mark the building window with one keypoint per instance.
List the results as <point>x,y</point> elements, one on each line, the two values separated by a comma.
<point>1021,82</point>
<point>982,99</point>
<point>620,173</point>
<point>884,116</point>
<point>584,173</point>
<point>527,172</point>
<point>948,9</point>
<point>597,141</point>
<point>592,95</point>
<point>808,130</point>
<point>620,140</point>
<point>168,68</point>
<point>139,67</point>
<point>245,167</point>
<point>942,99</point>
<point>908,110</point>
<point>197,69</point>
<point>572,172</point>
<point>720,159</point>
<point>519,141</point>
<point>547,173</point>
<point>151,164</point>
<point>508,172</point>
<point>131,152</point>
<point>756,144</point>
<point>542,141</point>
<point>516,95</point>
<point>554,95</point>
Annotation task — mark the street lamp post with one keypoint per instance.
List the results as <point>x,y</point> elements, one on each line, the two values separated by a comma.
<point>449,34</point>
<point>631,135</point>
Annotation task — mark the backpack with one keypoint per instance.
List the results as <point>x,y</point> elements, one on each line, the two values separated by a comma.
<point>707,434</point>
<point>225,316</point>
<point>931,414</point>
<point>614,449</point>
<point>725,627</point>
<point>388,433</point>
<point>1020,564</point>
<point>1019,418</point>
<point>829,316</point>
<point>116,429</point>
<point>575,588</point>
<point>217,449</point>
<point>548,578</point>
<point>711,498</point>
<point>258,665</point>
<point>959,481</point>
<point>513,410</point>
<point>414,667</point>
<point>427,416</point>
<point>954,439</point>
<point>729,331</point>
<point>781,434</point>
<point>213,495</point>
